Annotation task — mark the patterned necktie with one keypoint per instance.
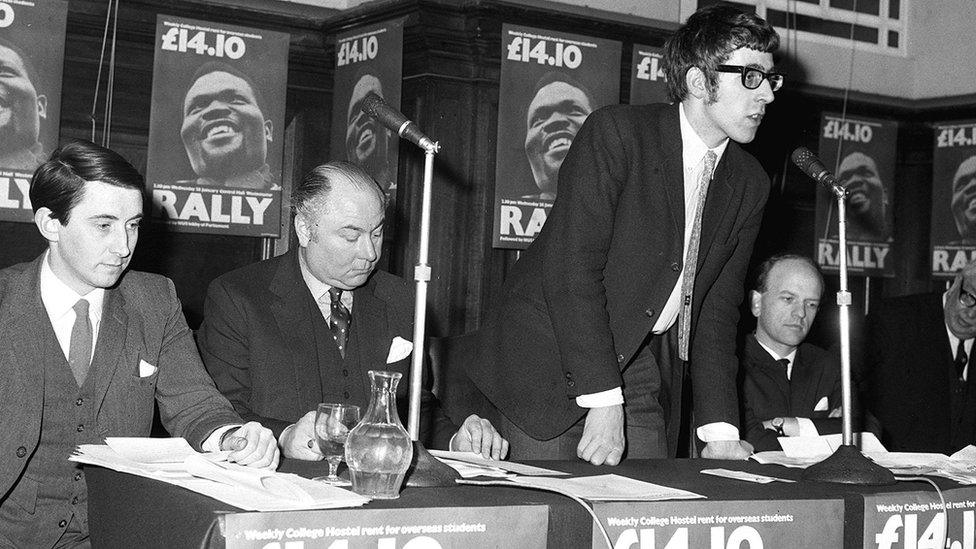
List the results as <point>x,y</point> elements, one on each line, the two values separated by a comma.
<point>691,259</point>
<point>961,359</point>
<point>339,319</point>
<point>80,346</point>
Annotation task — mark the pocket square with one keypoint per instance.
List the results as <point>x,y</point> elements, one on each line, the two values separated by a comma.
<point>146,369</point>
<point>399,349</point>
<point>821,405</point>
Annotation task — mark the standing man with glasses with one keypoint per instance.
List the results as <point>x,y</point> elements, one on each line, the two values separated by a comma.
<point>638,273</point>
<point>918,352</point>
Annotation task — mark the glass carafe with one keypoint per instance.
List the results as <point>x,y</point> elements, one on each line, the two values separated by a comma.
<point>379,450</point>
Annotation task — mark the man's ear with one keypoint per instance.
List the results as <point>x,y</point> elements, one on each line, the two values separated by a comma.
<point>49,227</point>
<point>42,106</point>
<point>697,83</point>
<point>755,303</point>
<point>302,230</point>
<point>269,131</point>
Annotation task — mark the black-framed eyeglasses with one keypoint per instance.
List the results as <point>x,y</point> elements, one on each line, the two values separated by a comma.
<point>966,299</point>
<point>752,77</point>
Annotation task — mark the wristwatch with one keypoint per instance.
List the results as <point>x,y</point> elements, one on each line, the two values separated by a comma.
<point>777,424</point>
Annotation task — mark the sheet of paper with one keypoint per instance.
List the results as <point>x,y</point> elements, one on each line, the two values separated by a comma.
<point>151,450</point>
<point>824,445</point>
<point>506,466</point>
<point>742,475</point>
<point>608,488</point>
<point>244,487</point>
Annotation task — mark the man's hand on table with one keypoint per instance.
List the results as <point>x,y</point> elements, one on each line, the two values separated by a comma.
<point>478,435</point>
<point>253,445</point>
<point>298,440</point>
<point>603,437</point>
<point>727,449</point>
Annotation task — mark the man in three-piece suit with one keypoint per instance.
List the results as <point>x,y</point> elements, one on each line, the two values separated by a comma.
<point>86,347</point>
<point>584,354</point>
<point>918,352</point>
<point>282,335</point>
<point>789,388</point>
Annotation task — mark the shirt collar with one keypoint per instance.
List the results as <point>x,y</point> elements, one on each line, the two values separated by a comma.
<point>692,147</point>
<point>789,356</point>
<point>59,298</point>
<point>318,288</point>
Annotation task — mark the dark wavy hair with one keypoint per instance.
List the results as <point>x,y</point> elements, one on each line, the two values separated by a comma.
<point>708,39</point>
<point>58,184</point>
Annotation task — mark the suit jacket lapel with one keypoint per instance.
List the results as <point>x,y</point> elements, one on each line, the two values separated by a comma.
<point>108,354</point>
<point>370,320</point>
<point>719,202</point>
<point>674,178</point>
<point>292,310</point>
<point>25,326</point>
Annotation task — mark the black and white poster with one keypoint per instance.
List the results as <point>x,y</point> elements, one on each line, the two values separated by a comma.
<point>953,197</point>
<point>216,127</point>
<point>550,82</point>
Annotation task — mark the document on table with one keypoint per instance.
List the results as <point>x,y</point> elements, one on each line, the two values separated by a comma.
<point>607,488</point>
<point>173,461</point>
<point>469,464</point>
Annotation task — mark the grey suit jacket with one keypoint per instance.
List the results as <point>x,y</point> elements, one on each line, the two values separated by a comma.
<point>142,321</point>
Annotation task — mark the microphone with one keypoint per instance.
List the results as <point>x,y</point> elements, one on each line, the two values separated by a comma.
<point>812,166</point>
<point>374,106</point>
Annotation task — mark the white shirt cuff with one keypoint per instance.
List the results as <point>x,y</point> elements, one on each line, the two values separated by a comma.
<point>720,431</point>
<point>610,397</point>
<point>212,444</point>
<point>807,428</point>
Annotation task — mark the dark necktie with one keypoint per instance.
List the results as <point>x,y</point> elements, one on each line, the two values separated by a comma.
<point>691,259</point>
<point>339,318</point>
<point>785,363</point>
<point>80,346</point>
<point>961,359</point>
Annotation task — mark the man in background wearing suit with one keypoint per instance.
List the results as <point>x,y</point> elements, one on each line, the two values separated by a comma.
<point>582,355</point>
<point>86,347</point>
<point>918,353</point>
<point>789,388</point>
<point>282,335</point>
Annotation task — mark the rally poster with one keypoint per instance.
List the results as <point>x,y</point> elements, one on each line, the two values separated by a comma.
<point>953,197</point>
<point>860,152</point>
<point>216,127</point>
<point>368,59</point>
<point>31,57</point>
<point>550,82</point>
<point>648,81</point>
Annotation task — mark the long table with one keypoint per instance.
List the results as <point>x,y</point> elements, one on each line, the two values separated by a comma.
<point>131,511</point>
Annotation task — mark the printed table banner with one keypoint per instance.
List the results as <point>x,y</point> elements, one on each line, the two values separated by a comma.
<point>31,59</point>
<point>860,152</point>
<point>648,83</point>
<point>916,520</point>
<point>953,197</point>
<point>796,524</point>
<point>550,82</point>
<point>216,127</point>
<point>522,526</point>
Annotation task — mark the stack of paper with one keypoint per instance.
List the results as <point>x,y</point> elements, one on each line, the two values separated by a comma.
<point>173,461</point>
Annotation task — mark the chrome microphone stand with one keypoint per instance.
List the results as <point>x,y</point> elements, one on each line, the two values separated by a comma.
<point>847,465</point>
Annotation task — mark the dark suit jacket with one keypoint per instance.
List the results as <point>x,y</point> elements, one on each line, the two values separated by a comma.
<point>911,372</point>
<point>259,343</point>
<point>767,393</point>
<point>581,301</point>
<point>142,321</point>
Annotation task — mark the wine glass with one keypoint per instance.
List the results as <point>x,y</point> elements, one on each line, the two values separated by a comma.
<point>332,425</point>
